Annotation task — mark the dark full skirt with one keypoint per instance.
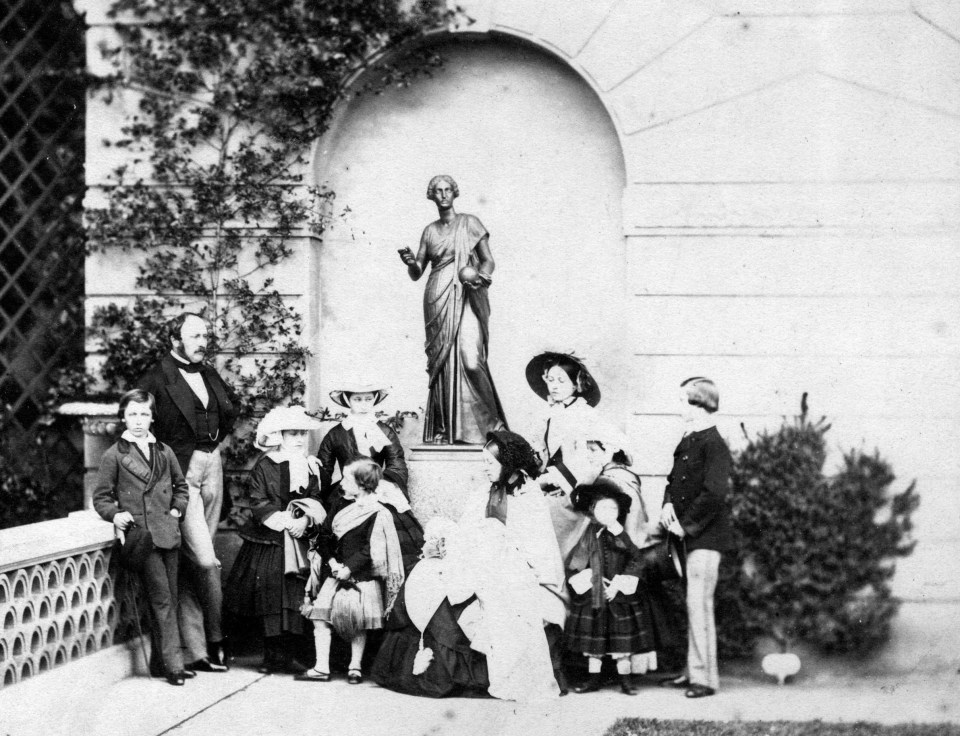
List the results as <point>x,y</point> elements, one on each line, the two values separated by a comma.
<point>621,626</point>
<point>456,669</point>
<point>258,588</point>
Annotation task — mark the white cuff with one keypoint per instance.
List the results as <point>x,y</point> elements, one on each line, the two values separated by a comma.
<point>278,521</point>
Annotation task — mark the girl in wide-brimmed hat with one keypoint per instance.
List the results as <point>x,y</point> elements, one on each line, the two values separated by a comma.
<point>608,616</point>
<point>362,435</point>
<point>566,446</point>
<point>267,579</point>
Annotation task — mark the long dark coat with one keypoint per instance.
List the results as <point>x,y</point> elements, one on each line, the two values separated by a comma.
<point>148,490</point>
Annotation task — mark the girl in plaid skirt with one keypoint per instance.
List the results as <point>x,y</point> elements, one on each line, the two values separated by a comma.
<point>607,617</point>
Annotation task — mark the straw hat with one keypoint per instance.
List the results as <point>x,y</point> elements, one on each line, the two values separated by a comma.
<point>585,384</point>
<point>279,419</point>
<point>339,396</point>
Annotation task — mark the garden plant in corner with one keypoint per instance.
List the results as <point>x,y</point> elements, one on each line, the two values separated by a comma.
<point>816,551</point>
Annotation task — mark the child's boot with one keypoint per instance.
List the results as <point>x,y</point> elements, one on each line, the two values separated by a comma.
<point>591,685</point>
<point>623,670</point>
<point>593,681</point>
<point>270,655</point>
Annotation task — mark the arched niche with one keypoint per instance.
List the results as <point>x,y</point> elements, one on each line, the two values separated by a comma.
<point>537,159</point>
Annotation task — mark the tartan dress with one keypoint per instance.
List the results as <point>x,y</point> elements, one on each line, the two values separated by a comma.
<point>620,626</point>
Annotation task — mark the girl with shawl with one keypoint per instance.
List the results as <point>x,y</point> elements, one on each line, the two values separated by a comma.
<point>361,435</point>
<point>463,404</point>
<point>359,549</point>
<point>607,613</point>
<point>267,579</point>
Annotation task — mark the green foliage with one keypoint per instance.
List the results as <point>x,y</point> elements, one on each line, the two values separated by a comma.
<point>816,552</point>
<point>212,199</point>
<point>30,490</point>
<point>654,727</point>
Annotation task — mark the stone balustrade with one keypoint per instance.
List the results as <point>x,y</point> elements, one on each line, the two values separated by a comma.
<point>59,597</point>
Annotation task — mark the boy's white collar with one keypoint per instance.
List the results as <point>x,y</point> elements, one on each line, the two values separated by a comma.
<point>131,437</point>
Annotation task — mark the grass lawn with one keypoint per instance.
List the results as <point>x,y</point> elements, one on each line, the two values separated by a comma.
<point>653,727</point>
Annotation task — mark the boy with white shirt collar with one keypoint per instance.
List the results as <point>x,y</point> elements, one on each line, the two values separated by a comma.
<point>140,484</point>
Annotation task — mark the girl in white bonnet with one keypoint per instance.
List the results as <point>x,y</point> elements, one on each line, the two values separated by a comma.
<point>267,580</point>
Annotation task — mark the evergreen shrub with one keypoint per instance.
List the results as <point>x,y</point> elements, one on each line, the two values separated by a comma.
<point>816,552</point>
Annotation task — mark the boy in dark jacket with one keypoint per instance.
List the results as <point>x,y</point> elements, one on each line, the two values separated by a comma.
<point>695,509</point>
<point>140,484</point>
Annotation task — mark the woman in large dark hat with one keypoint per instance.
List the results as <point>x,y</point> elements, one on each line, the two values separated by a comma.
<point>572,427</point>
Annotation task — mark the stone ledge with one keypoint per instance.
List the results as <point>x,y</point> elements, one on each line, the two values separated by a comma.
<point>81,531</point>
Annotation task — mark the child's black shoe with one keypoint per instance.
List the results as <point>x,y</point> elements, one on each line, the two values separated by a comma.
<point>591,685</point>
<point>626,685</point>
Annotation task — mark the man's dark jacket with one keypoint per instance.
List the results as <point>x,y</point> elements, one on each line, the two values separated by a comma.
<point>697,488</point>
<point>174,421</point>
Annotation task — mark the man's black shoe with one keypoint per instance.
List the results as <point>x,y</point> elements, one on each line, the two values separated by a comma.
<point>205,665</point>
<point>176,678</point>
<point>161,672</point>
<point>217,653</point>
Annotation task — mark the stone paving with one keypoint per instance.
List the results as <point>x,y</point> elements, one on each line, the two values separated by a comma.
<point>83,699</point>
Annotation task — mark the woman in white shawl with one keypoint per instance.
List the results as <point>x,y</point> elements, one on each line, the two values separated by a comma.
<point>506,554</point>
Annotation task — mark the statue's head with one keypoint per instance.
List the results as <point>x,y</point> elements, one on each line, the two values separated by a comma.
<point>432,186</point>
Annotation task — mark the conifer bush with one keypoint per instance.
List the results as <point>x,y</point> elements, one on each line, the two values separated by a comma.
<point>816,552</point>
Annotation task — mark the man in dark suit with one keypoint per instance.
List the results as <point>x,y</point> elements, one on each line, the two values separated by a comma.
<point>195,411</point>
<point>695,509</point>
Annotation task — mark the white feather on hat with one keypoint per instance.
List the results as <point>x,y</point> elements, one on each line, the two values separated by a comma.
<point>282,418</point>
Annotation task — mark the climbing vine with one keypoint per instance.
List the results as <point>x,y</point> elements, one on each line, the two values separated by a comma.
<point>229,97</point>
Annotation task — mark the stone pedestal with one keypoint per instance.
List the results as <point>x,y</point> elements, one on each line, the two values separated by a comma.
<point>441,477</point>
<point>101,427</point>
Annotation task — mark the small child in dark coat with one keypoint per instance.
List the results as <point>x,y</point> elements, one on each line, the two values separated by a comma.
<point>607,616</point>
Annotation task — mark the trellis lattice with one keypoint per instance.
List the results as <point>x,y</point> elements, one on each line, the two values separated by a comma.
<point>41,191</point>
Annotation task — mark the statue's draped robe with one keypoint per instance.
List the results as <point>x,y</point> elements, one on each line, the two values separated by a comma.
<point>463,404</point>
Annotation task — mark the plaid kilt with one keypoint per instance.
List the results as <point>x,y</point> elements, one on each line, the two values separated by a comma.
<point>621,626</point>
